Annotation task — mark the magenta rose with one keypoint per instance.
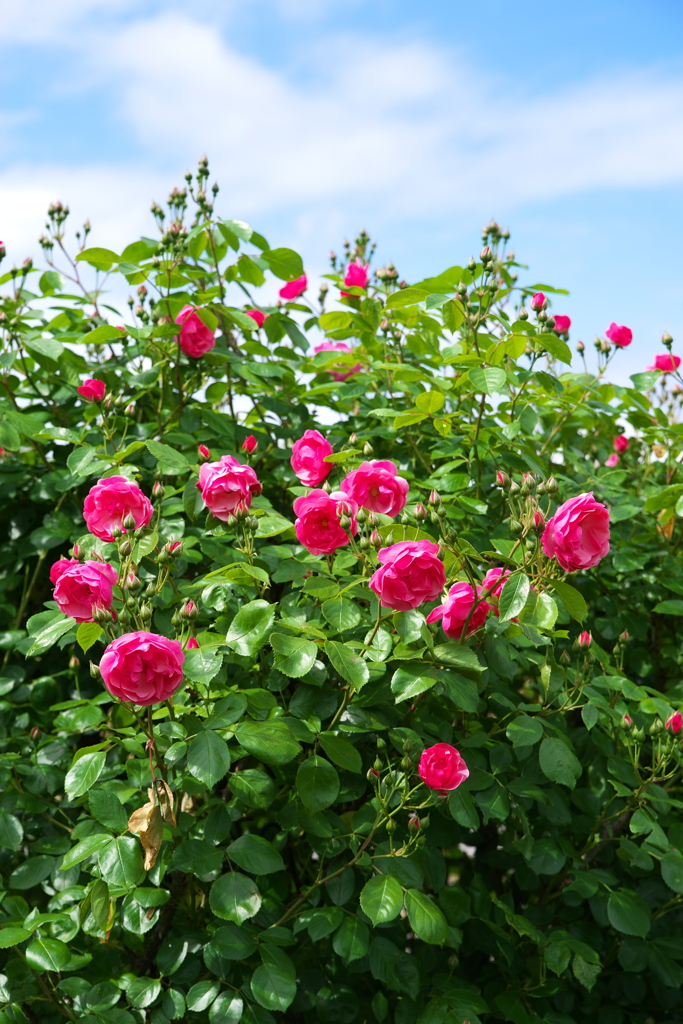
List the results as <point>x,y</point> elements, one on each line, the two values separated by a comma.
<point>666,362</point>
<point>377,486</point>
<point>494,580</point>
<point>83,587</point>
<point>227,485</point>
<point>338,346</point>
<point>92,389</point>
<point>455,609</point>
<point>142,668</point>
<point>674,724</point>
<point>293,289</point>
<point>410,574</point>
<point>537,301</point>
<point>308,458</point>
<point>578,534</point>
<point>108,503</point>
<point>619,335</point>
<point>621,443</point>
<point>196,339</point>
<point>356,275</point>
<point>612,460</point>
<point>257,316</point>
<point>317,525</point>
<point>442,768</point>
<point>57,568</point>
<point>562,324</point>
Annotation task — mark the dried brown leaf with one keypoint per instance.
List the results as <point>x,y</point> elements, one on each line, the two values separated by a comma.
<point>151,839</point>
<point>139,819</point>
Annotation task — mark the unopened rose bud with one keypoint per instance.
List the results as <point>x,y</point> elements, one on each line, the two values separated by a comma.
<point>361,516</point>
<point>486,255</point>
<point>130,411</point>
<point>420,513</point>
<point>414,823</point>
<point>250,444</point>
<point>231,520</point>
<point>353,440</point>
<point>128,522</point>
<point>76,551</point>
<point>434,498</point>
<point>146,612</point>
<point>35,733</point>
<point>344,522</point>
<point>175,548</point>
<point>514,487</point>
<point>667,340</point>
<point>74,663</point>
<point>192,644</point>
<point>550,322</point>
<point>580,347</point>
<point>656,727</point>
<point>551,485</point>
<point>95,671</point>
<point>539,522</point>
<point>516,527</point>
<point>626,722</point>
<point>502,479</point>
<point>674,724</point>
<point>376,540</point>
<point>344,508</point>
<point>584,640</point>
<point>638,734</point>
<point>158,490</point>
<point>367,449</point>
<point>189,610</point>
<point>203,453</point>
<point>391,826</point>
<point>125,548</point>
<point>538,301</point>
<point>565,658</point>
<point>624,637</point>
<point>372,774</point>
<point>523,314</point>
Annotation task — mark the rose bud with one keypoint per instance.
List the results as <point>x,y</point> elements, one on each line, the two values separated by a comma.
<point>674,724</point>
<point>626,721</point>
<point>584,640</point>
<point>204,453</point>
<point>250,444</point>
<point>420,513</point>
<point>158,491</point>
<point>192,644</point>
<point>502,479</point>
<point>538,301</point>
<point>189,610</point>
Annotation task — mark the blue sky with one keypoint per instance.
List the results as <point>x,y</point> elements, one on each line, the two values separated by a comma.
<point>417,122</point>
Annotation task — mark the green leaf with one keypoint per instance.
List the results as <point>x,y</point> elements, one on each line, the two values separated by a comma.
<point>255,855</point>
<point>461,657</point>
<point>348,664</point>
<point>644,381</point>
<point>234,943</point>
<point>488,380</point>
<point>11,936</point>
<point>121,862</point>
<point>559,763</point>
<point>47,954</point>
<point>208,758</point>
<point>341,751</point>
<point>11,831</point>
<point>107,809</point>
<point>86,848</point>
<point>524,731</point>
<point>87,634</point>
<point>31,872</point>
<point>341,613</point>
<point>142,992</point>
<point>294,656</point>
<point>352,939</point>
<point>461,805</point>
<point>234,897</point>
<point>201,995</point>
<point>406,297</point>
<point>628,913</point>
<point>430,401</point>
<point>284,263</point>
<point>672,870</point>
<point>558,348</point>
<point>249,629</point>
<point>99,902</point>
<point>571,599</point>
<point>227,1009</point>
<point>272,987</point>
<point>671,607</point>
<point>271,741</point>
<point>317,783</point>
<point>513,596</point>
<point>382,899</point>
<point>50,634</point>
<point>411,679</point>
<point>83,775</point>
<point>336,320</point>
<point>201,664</point>
<point>100,258</point>
<point>167,456</point>
<point>426,920</point>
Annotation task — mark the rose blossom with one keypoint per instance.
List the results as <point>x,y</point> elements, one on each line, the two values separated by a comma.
<point>441,767</point>
<point>537,301</point>
<point>578,534</point>
<point>92,389</point>
<point>293,289</point>
<point>619,335</point>
<point>308,458</point>
<point>675,723</point>
<point>196,339</point>
<point>612,460</point>
<point>455,609</point>
<point>620,443</point>
<point>142,668</point>
<point>666,362</point>
<point>562,324</point>
<point>317,525</point>
<point>82,587</point>
<point>356,275</point>
<point>338,346</point>
<point>192,644</point>
<point>57,568</point>
<point>250,444</point>
<point>494,580</point>
<point>411,573</point>
<point>377,486</point>
<point>227,485</point>
<point>257,316</point>
<point>108,503</point>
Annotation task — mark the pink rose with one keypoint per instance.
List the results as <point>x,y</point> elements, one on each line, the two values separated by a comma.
<point>317,525</point>
<point>376,486</point>
<point>441,767</point>
<point>196,339</point>
<point>562,324</point>
<point>494,581</point>
<point>585,640</point>
<point>666,362</point>
<point>455,609</point>
<point>83,587</point>
<point>250,444</point>
<point>108,503</point>
<point>92,389</point>
<point>257,316</point>
<point>57,568</point>
<point>338,346</point>
<point>411,573</point>
<point>192,644</point>
<point>227,485</point>
<point>674,724</point>
<point>537,301</point>
<point>293,289</point>
<point>356,275</point>
<point>612,460</point>
<point>620,443</point>
<point>308,458</point>
<point>578,534</point>
<point>204,452</point>
<point>619,335</point>
<point>142,668</point>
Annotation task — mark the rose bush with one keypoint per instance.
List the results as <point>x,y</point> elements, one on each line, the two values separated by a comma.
<point>340,674</point>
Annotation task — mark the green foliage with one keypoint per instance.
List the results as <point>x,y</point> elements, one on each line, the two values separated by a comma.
<point>261,847</point>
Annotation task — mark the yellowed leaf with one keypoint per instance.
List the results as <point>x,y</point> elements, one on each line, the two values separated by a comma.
<point>152,838</point>
<point>139,819</point>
